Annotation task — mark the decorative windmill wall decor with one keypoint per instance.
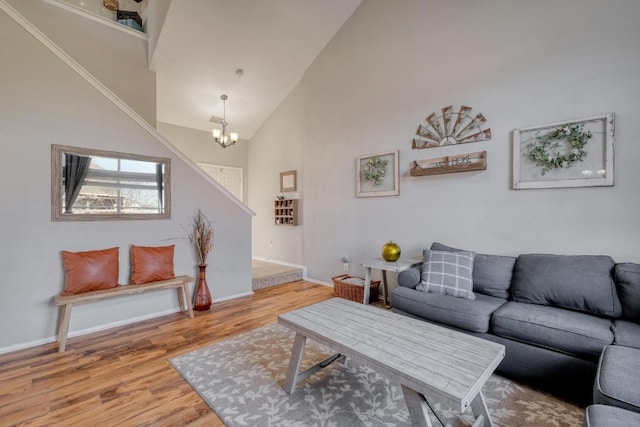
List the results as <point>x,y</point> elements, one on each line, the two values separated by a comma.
<point>451,128</point>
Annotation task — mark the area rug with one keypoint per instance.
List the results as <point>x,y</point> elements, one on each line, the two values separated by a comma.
<point>241,379</point>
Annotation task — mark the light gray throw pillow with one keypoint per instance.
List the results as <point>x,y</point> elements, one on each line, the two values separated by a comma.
<point>491,273</point>
<point>448,273</point>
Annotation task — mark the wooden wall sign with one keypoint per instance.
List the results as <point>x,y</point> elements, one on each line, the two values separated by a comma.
<point>450,164</point>
<point>452,127</point>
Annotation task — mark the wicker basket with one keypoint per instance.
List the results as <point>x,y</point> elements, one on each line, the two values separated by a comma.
<point>352,288</point>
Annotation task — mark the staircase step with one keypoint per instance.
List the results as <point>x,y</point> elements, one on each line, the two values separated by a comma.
<point>265,274</point>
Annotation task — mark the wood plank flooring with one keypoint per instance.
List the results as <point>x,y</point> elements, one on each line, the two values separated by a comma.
<point>121,376</point>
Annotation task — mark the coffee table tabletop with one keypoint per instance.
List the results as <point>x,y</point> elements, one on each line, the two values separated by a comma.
<point>432,363</point>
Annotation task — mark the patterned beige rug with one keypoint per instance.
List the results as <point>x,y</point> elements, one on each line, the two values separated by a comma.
<point>241,380</point>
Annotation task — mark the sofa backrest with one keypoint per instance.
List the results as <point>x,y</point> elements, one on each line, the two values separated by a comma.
<point>627,277</point>
<point>583,283</point>
<point>491,273</point>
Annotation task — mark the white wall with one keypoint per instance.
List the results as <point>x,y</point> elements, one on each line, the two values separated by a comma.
<point>520,64</point>
<point>43,102</point>
<point>156,12</point>
<point>200,147</point>
<point>116,58</point>
<point>277,147</point>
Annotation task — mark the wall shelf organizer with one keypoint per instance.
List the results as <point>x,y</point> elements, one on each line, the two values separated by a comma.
<point>285,212</point>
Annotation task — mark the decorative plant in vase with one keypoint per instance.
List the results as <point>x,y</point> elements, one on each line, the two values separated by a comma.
<point>201,236</point>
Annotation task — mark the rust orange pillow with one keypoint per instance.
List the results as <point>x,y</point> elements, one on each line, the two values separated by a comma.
<point>151,263</point>
<point>90,270</point>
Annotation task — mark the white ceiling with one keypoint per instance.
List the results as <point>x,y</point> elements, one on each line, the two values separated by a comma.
<point>203,43</point>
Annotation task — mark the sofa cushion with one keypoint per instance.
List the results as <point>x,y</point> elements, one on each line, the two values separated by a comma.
<point>626,333</point>
<point>627,278</point>
<point>574,333</point>
<point>610,416</point>
<point>582,283</point>
<point>462,313</point>
<point>617,378</point>
<point>448,273</point>
<point>491,273</point>
<point>410,278</point>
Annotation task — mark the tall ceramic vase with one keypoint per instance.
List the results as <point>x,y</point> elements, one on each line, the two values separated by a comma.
<point>202,301</point>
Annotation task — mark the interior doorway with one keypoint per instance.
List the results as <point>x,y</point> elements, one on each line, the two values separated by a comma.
<point>227,176</point>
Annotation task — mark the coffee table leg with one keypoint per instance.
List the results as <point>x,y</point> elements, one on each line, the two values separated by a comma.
<point>418,407</point>
<point>294,363</point>
<point>480,410</point>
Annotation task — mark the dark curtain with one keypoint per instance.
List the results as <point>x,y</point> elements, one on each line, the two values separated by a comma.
<point>160,184</point>
<point>74,173</point>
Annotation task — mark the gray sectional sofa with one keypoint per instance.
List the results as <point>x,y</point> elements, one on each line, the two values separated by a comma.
<point>554,314</point>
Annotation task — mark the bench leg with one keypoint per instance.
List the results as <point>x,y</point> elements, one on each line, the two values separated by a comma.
<point>63,326</point>
<point>183,306</point>
<point>185,301</point>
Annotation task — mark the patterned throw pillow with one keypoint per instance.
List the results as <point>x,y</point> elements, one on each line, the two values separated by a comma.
<point>448,273</point>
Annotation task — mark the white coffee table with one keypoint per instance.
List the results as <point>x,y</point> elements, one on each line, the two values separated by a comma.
<point>435,365</point>
<point>381,264</point>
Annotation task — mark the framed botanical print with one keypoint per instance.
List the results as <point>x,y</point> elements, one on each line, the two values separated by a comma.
<point>377,175</point>
<point>577,153</point>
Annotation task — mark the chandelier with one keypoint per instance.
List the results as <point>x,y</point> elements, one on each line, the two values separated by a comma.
<point>220,135</point>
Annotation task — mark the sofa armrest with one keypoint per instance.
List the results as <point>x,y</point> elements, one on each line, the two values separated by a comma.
<point>410,278</point>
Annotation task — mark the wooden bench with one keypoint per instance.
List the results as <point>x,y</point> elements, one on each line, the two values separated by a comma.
<point>180,283</point>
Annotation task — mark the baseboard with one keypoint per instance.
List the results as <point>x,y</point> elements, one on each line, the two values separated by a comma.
<point>86,331</point>
<point>244,294</point>
<point>25,345</point>
<point>319,282</point>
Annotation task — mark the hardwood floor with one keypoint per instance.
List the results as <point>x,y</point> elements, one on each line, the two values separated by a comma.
<point>121,376</point>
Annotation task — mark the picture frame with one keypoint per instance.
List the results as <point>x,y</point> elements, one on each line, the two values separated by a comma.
<point>569,154</point>
<point>377,175</point>
<point>288,181</point>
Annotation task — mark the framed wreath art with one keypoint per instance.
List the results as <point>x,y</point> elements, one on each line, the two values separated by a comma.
<point>576,153</point>
<point>377,175</point>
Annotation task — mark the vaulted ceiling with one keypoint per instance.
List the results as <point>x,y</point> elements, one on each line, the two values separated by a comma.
<point>204,42</point>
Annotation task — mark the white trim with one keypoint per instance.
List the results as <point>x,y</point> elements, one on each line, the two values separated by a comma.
<point>56,50</point>
<point>81,332</point>
<point>25,345</point>
<point>97,18</point>
<point>244,294</point>
<point>319,282</point>
<point>288,264</point>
